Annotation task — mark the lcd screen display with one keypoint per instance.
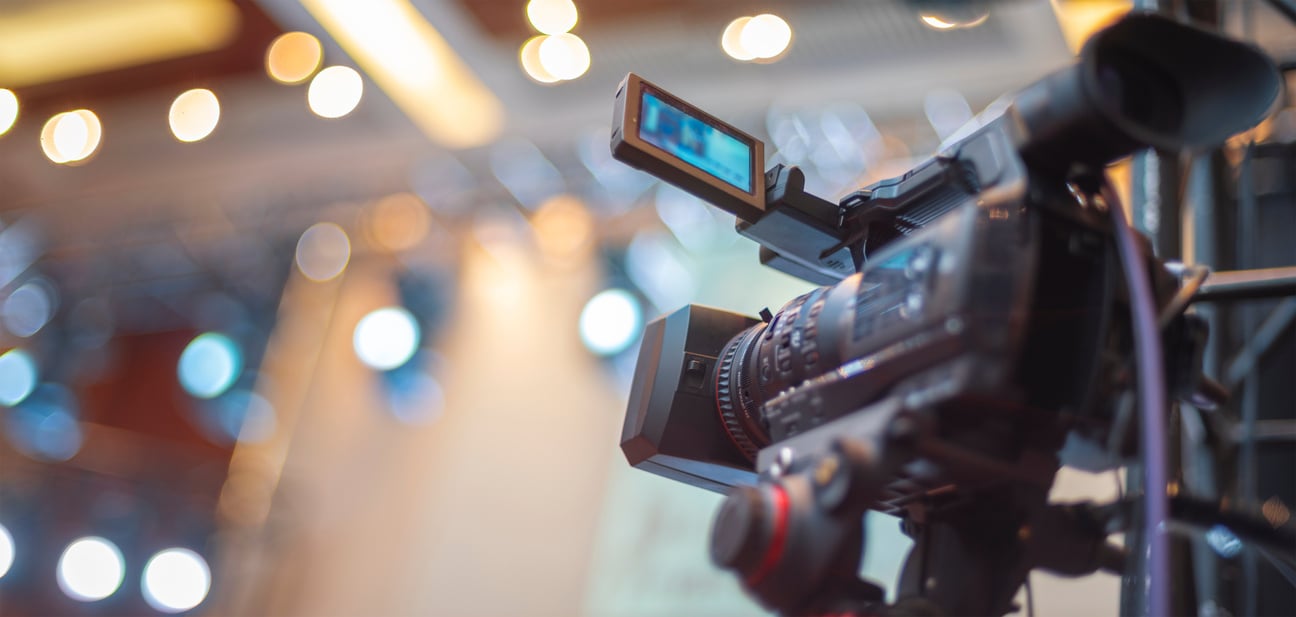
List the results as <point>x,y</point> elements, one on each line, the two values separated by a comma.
<point>695,142</point>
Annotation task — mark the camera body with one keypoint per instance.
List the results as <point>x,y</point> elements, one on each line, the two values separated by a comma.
<point>991,326</point>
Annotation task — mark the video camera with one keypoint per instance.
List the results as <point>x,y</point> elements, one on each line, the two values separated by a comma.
<point>973,333</point>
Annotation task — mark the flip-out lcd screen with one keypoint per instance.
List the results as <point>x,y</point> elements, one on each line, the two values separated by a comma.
<point>695,142</point>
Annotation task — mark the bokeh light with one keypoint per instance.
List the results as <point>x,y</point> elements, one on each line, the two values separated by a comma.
<point>175,580</point>
<point>763,38</point>
<point>239,416</point>
<point>335,92</point>
<point>90,569</point>
<point>766,36</point>
<point>386,338</point>
<point>563,227</point>
<point>399,222</point>
<point>564,56</point>
<point>8,110</point>
<point>529,57</point>
<point>28,308</point>
<point>194,115</point>
<point>552,16</point>
<point>951,21</point>
<point>610,322</point>
<point>17,376</point>
<point>44,426</point>
<point>71,136</point>
<point>293,57</point>
<point>323,252</point>
<point>731,40</point>
<point>209,365</point>
<point>6,551</point>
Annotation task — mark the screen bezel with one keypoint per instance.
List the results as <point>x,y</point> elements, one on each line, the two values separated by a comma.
<point>629,147</point>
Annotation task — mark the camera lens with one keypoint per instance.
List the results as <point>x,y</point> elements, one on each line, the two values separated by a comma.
<point>763,361</point>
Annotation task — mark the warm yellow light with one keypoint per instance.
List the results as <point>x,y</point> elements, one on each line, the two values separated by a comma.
<point>194,115</point>
<point>731,40</point>
<point>529,56</point>
<point>398,222</point>
<point>47,41</point>
<point>1081,19</point>
<point>936,22</point>
<point>293,57</point>
<point>335,91</point>
<point>765,36</point>
<point>415,66</point>
<point>563,228</point>
<point>564,56</point>
<point>552,16</point>
<point>71,136</point>
<point>8,110</point>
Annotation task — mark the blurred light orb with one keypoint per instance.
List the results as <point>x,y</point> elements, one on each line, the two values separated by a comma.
<point>731,40</point>
<point>563,227</point>
<point>6,551</point>
<point>552,16</point>
<point>71,136</point>
<point>175,580</point>
<point>564,56</point>
<point>240,416</point>
<point>400,221</point>
<point>194,115</point>
<point>293,57</point>
<point>956,18</point>
<point>90,569</point>
<point>386,338</point>
<point>529,57</point>
<point>28,308</point>
<point>44,426</point>
<point>610,322</point>
<point>8,110</point>
<point>416,398</point>
<point>766,36</point>
<point>209,365</point>
<point>335,92</point>
<point>323,252</point>
<point>17,377</point>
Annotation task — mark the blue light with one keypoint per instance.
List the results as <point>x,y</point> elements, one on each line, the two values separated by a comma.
<point>44,426</point>
<point>209,365</point>
<point>1224,541</point>
<point>17,376</point>
<point>239,415</point>
<point>611,322</point>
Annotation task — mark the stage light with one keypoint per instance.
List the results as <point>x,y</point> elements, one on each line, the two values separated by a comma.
<point>71,136</point>
<point>323,252</point>
<point>293,57</point>
<point>8,110</point>
<point>335,92</point>
<point>399,222</point>
<point>28,308</point>
<point>386,338</point>
<point>209,365</point>
<point>405,55</point>
<point>610,322</point>
<point>552,16</point>
<point>564,56</point>
<point>17,377</point>
<point>90,569</point>
<point>731,40</point>
<point>175,580</point>
<point>766,36</point>
<point>563,228</point>
<point>529,57</point>
<point>44,426</point>
<point>6,551</point>
<point>194,115</point>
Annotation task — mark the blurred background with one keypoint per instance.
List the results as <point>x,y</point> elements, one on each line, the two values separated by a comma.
<point>330,307</point>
